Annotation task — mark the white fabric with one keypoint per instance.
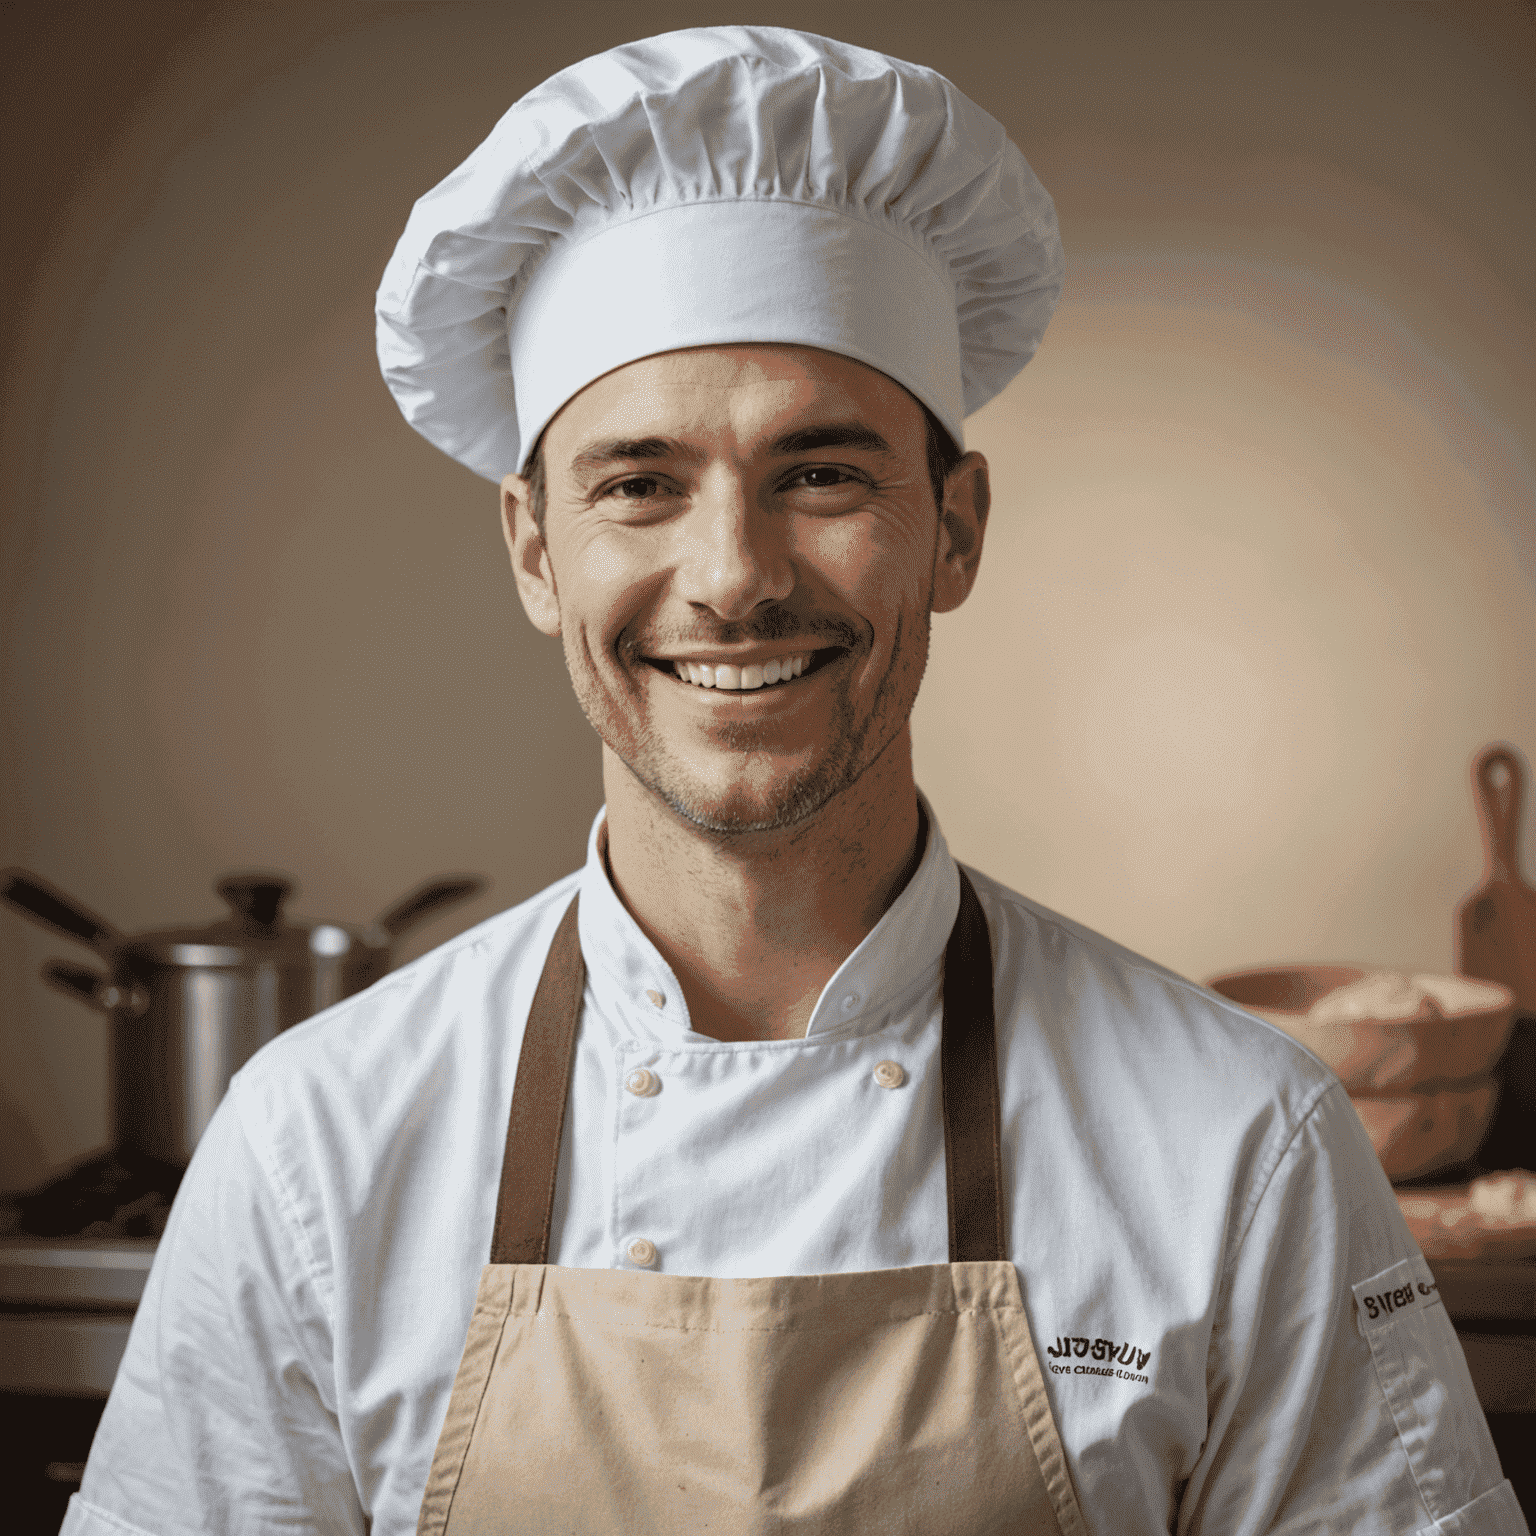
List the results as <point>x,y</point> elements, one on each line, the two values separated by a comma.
<point>711,186</point>
<point>1186,1186</point>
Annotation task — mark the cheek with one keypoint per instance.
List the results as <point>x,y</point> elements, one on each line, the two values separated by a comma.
<point>874,569</point>
<point>605,580</point>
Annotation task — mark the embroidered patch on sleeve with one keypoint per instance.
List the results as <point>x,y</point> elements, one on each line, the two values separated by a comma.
<point>1406,1287</point>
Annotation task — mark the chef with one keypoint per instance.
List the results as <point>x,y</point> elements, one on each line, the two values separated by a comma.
<point>773,1172</point>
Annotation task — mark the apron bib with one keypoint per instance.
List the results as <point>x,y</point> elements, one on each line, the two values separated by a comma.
<point>596,1401</point>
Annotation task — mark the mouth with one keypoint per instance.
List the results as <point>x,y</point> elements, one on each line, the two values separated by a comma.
<point>731,677</point>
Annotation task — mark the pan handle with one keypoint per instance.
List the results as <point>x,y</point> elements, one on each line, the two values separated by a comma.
<point>93,989</point>
<point>446,891</point>
<point>1498,797</point>
<point>49,906</point>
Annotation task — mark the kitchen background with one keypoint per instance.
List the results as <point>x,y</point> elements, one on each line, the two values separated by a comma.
<point>1261,576</point>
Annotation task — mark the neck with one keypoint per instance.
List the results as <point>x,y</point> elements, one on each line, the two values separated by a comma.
<point>755,924</point>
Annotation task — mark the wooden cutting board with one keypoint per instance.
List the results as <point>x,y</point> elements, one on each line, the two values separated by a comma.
<point>1496,924</point>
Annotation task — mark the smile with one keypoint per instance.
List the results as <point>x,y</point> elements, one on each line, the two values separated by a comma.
<point>778,669</point>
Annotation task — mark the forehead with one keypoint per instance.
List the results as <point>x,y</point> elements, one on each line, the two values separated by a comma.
<point>747,394</point>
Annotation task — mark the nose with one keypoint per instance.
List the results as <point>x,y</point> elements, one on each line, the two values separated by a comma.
<point>734,555</point>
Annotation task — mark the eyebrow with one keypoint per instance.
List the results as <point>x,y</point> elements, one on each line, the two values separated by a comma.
<point>599,456</point>
<point>838,434</point>
<point>596,457</point>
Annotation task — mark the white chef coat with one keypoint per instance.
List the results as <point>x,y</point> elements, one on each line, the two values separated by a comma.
<point>1238,1332</point>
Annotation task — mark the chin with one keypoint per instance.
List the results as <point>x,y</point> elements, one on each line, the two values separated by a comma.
<point>742,805</point>
<point>742,809</point>
<point>737,819</point>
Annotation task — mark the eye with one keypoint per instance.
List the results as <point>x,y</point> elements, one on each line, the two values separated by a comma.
<point>823,475</point>
<point>635,488</point>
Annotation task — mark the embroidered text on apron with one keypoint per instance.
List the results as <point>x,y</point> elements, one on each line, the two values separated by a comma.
<point>596,1401</point>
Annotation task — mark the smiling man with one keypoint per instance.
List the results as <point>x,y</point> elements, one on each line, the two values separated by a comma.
<point>772,1173</point>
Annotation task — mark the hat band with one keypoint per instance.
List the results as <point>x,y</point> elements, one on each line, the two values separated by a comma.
<point>716,273</point>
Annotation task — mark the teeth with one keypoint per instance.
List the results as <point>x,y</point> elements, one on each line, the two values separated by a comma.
<point>740,679</point>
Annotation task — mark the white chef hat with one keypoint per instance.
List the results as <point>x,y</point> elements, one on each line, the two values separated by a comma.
<point>713,186</point>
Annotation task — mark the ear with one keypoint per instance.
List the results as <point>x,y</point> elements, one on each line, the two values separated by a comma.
<point>530,559</point>
<point>962,526</point>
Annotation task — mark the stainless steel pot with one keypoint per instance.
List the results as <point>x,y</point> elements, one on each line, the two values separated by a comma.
<point>190,1006</point>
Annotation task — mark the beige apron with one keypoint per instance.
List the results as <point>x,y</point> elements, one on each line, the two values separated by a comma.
<point>599,1401</point>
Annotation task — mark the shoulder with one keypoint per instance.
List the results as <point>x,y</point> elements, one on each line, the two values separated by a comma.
<point>408,1048</point>
<point>1085,992</point>
<point>1144,1091</point>
<point>428,990</point>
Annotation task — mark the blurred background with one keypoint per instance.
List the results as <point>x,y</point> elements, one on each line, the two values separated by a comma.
<point>1261,577</point>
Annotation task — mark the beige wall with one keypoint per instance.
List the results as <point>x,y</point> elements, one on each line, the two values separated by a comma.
<point>1261,578</point>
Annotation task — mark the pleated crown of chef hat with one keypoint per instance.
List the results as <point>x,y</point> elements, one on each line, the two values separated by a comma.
<point>713,186</point>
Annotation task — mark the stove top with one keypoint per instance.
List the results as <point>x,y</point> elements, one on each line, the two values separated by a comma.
<point>115,1194</point>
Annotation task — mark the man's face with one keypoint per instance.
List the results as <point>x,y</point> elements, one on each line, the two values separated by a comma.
<point>725,515</point>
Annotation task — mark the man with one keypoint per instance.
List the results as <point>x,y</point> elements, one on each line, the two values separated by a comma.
<point>825,1186</point>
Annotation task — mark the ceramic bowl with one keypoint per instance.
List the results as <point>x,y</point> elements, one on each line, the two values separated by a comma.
<point>1448,1030</point>
<point>1420,1133</point>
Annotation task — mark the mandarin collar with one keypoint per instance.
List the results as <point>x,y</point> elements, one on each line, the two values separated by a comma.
<point>895,959</point>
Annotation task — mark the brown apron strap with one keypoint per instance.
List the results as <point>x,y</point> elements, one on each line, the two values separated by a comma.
<point>968,1072</point>
<point>973,1160</point>
<point>525,1206</point>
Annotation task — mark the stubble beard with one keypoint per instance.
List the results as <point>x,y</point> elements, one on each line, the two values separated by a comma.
<point>798,795</point>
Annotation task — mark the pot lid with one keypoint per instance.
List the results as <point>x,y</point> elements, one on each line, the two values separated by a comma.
<point>256,931</point>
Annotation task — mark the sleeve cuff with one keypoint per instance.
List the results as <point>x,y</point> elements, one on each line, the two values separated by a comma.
<point>1495,1513</point>
<point>82,1519</point>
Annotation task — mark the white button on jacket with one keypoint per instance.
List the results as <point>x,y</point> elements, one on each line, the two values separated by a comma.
<point>1192,1207</point>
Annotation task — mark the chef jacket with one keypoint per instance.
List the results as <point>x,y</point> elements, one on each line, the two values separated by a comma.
<point>1239,1334</point>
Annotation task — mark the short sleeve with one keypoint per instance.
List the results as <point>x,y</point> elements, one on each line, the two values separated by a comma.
<point>222,1417</point>
<point>1338,1395</point>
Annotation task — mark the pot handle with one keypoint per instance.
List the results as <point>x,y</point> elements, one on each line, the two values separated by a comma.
<point>445,891</point>
<point>256,899</point>
<point>49,906</point>
<point>93,989</point>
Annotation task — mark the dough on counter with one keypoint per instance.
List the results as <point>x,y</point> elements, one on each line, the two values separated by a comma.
<point>1494,1217</point>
